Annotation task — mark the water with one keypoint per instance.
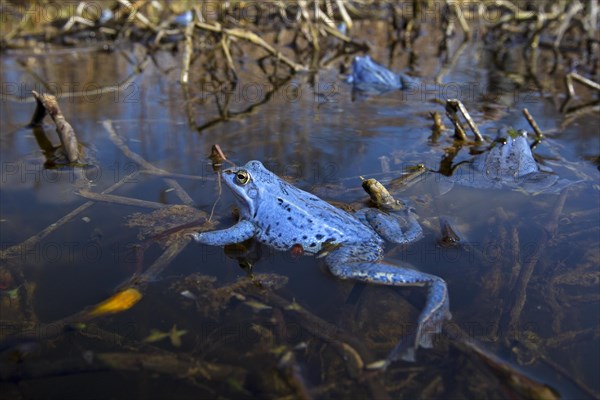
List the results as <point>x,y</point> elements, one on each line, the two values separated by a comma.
<point>311,131</point>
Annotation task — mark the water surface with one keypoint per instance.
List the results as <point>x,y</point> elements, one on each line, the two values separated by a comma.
<point>312,131</point>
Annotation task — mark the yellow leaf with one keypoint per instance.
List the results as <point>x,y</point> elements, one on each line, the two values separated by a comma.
<point>155,336</point>
<point>121,301</point>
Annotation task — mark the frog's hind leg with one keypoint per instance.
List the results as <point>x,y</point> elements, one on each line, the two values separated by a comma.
<point>362,261</point>
<point>397,227</point>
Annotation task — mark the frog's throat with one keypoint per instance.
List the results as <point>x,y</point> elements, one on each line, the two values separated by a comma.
<point>245,205</point>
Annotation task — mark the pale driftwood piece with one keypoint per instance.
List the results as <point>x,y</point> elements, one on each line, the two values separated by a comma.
<point>65,131</point>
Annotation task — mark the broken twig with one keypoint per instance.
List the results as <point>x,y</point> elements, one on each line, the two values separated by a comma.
<point>454,105</point>
<point>63,128</point>
<point>534,125</point>
<point>459,131</point>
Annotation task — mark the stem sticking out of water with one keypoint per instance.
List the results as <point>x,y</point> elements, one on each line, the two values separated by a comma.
<point>455,105</point>
<point>534,125</point>
<point>459,131</point>
<point>187,54</point>
<point>65,131</point>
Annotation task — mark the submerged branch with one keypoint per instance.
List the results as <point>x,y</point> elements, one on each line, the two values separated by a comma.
<point>118,141</point>
<point>113,199</point>
<point>25,247</point>
<point>159,265</point>
<point>163,363</point>
<point>520,295</point>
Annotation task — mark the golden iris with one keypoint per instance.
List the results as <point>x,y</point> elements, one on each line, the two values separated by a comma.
<point>242,177</point>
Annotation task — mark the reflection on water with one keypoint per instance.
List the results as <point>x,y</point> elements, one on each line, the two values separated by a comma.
<point>530,298</point>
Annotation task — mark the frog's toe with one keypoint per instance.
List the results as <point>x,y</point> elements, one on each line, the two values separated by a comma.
<point>196,236</point>
<point>426,341</point>
<point>409,355</point>
<point>405,349</point>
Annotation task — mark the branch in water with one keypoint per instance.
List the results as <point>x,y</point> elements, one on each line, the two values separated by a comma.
<point>47,104</point>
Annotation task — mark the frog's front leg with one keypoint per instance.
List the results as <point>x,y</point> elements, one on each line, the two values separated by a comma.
<point>397,227</point>
<point>238,233</point>
<point>362,261</point>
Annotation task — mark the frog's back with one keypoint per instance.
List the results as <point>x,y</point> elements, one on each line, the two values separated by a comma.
<point>288,216</point>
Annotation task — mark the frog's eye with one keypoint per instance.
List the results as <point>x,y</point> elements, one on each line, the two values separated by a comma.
<point>242,177</point>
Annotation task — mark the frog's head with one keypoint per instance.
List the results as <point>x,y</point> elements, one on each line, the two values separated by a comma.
<point>509,135</point>
<point>513,153</point>
<point>514,142</point>
<point>249,184</point>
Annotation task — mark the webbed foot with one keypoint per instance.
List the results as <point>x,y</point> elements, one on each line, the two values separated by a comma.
<point>362,261</point>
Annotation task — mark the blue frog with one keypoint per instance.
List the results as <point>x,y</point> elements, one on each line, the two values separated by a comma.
<point>368,76</point>
<point>285,217</point>
<point>508,163</point>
